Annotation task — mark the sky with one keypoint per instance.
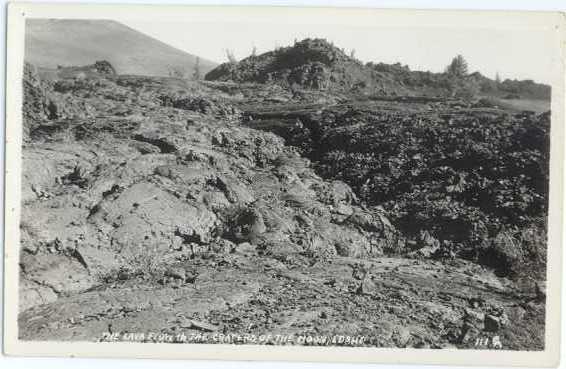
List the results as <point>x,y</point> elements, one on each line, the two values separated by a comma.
<point>513,53</point>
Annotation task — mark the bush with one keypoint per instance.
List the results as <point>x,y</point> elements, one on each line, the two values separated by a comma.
<point>146,262</point>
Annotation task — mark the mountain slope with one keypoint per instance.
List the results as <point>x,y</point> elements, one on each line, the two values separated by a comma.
<point>66,42</point>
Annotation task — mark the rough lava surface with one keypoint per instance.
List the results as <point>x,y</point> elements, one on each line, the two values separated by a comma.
<point>149,206</point>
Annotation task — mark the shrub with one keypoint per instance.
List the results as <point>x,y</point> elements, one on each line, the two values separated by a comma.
<point>147,262</point>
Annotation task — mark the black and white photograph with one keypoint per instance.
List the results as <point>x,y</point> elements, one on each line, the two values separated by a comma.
<point>312,178</point>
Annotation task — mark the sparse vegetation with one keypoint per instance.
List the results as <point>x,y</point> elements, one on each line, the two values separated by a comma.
<point>230,56</point>
<point>197,75</point>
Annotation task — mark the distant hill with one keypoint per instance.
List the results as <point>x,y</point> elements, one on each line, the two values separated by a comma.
<point>310,63</point>
<point>68,42</point>
<point>318,64</point>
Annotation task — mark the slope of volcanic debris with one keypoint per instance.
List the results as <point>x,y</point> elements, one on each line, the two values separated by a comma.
<point>454,178</point>
<point>311,63</point>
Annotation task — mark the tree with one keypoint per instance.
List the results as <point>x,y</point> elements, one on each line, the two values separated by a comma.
<point>353,53</point>
<point>497,79</point>
<point>254,50</point>
<point>230,55</point>
<point>196,70</point>
<point>459,83</point>
<point>458,67</point>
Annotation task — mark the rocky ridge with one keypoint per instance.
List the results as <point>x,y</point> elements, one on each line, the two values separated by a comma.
<point>320,65</point>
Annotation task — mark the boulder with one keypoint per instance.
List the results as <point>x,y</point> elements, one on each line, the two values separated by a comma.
<point>491,323</point>
<point>32,293</point>
<point>144,212</point>
<point>235,192</point>
<point>342,193</point>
